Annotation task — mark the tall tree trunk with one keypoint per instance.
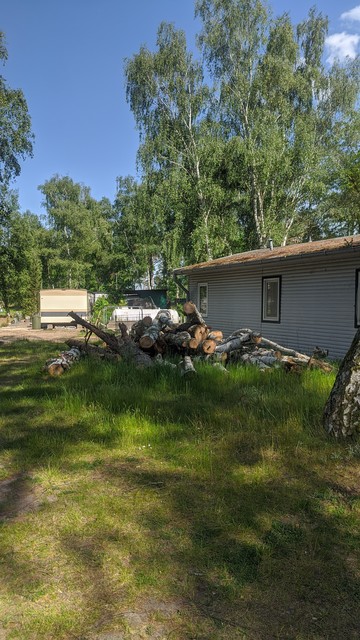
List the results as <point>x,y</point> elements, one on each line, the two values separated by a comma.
<point>258,210</point>
<point>342,410</point>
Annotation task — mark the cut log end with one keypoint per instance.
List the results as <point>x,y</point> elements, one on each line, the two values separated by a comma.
<point>208,346</point>
<point>146,342</point>
<point>189,308</point>
<point>55,370</point>
<point>193,344</point>
<point>215,335</point>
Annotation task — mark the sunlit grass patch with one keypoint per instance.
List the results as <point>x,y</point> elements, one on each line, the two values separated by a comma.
<point>214,507</point>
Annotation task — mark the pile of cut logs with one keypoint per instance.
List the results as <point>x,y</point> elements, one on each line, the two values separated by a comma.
<point>162,335</point>
<point>151,340</point>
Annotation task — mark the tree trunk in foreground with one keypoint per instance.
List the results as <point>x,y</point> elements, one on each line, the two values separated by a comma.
<point>342,410</point>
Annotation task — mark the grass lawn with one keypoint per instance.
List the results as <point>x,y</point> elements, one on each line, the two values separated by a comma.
<point>139,504</point>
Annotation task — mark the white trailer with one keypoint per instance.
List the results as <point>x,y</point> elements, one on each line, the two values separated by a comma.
<point>55,305</point>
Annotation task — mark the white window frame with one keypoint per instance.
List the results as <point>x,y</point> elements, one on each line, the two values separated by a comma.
<point>203,284</point>
<point>264,317</point>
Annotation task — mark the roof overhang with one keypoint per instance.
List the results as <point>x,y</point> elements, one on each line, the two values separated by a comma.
<point>310,250</point>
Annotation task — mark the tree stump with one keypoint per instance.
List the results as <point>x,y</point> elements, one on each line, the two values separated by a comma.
<point>342,410</point>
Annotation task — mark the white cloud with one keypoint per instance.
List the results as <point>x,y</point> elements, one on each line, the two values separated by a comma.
<point>353,14</point>
<point>342,45</point>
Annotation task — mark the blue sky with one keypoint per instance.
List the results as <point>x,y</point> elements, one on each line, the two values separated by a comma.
<point>67,56</point>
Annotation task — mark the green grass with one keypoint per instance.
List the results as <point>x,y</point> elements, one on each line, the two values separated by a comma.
<point>139,504</point>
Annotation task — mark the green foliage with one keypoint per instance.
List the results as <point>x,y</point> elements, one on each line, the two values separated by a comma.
<point>20,263</point>
<point>341,209</point>
<point>251,154</point>
<point>136,234</point>
<point>15,128</point>
<point>101,311</point>
<point>77,238</point>
<point>281,108</point>
<point>180,150</point>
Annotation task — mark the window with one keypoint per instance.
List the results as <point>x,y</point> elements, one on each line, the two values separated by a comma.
<point>271,292</point>
<point>203,299</point>
<point>357,299</point>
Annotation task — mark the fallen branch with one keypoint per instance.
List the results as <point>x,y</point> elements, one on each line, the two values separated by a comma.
<point>93,350</point>
<point>109,338</point>
<point>124,345</point>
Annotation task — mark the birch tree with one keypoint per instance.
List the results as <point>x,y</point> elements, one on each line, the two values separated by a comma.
<point>172,109</point>
<point>282,109</point>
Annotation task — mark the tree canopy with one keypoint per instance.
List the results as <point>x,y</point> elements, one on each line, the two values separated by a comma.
<point>252,148</point>
<point>16,139</point>
<point>253,137</point>
<point>77,242</point>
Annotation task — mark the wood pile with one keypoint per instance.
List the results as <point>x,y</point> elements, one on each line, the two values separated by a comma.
<point>163,336</point>
<point>249,347</point>
<point>151,341</point>
<point>195,340</point>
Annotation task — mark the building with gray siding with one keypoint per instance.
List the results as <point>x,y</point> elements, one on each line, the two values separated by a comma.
<point>302,295</point>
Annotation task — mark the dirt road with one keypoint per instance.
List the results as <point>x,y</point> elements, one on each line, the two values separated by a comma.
<point>23,331</point>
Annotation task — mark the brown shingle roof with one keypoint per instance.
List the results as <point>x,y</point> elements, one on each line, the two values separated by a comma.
<point>320,247</point>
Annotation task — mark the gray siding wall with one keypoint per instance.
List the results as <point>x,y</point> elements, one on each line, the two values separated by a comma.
<point>317,301</point>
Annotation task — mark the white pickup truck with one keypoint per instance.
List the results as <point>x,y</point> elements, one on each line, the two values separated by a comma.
<point>137,308</point>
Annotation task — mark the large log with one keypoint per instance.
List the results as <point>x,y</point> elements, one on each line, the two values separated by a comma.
<point>193,344</point>
<point>164,319</point>
<point>243,336</point>
<point>192,313</point>
<point>342,410</point>
<point>284,350</point>
<point>150,336</point>
<point>162,322</point>
<point>234,344</point>
<point>254,336</point>
<point>215,335</point>
<point>138,328</point>
<point>198,331</point>
<point>131,352</point>
<point>207,346</point>
<point>186,366</point>
<point>184,326</point>
<point>56,366</point>
<point>109,338</point>
<point>178,340</point>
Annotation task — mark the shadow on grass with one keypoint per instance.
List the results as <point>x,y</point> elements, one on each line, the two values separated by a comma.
<point>225,512</point>
<point>261,557</point>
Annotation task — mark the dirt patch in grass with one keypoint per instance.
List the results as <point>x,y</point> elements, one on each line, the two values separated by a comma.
<point>17,497</point>
<point>24,331</point>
